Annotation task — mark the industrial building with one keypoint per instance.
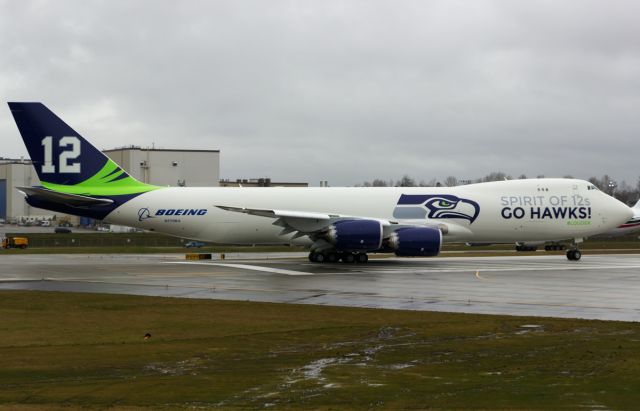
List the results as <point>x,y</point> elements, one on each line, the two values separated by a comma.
<point>163,167</point>
<point>17,173</point>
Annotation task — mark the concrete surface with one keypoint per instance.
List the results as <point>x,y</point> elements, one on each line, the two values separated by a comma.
<point>598,287</point>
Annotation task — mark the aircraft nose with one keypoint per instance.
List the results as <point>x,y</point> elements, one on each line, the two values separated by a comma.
<point>619,212</point>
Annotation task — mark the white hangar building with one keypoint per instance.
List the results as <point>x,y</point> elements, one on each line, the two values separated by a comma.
<point>165,167</point>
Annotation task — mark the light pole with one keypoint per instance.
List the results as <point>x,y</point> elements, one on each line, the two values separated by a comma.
<point>612,187</point>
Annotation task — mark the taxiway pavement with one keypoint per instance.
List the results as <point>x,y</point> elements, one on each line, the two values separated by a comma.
<point>597,287</point>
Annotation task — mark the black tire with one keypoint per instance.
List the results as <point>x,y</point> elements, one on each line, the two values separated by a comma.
<point>348,258</point>
<point>362,258</point>
<point>312,256</point>
<point>319,258</point>
<point>571,255</point>
<point>548,247</point>
<point>577,255</point>
<point>332,258</point>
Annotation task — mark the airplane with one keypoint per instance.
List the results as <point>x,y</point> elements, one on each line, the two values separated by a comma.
<point>336,223</point>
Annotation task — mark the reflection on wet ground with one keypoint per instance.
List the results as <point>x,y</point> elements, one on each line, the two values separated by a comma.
<point>597,287</point>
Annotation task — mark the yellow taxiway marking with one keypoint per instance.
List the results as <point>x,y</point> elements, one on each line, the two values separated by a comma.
<point>479,277</point>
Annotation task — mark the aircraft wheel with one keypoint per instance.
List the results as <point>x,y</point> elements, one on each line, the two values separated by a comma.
<point>348,258</point>
<point>315,257</point>
<point>548,247</point>
<point>332,257</point>
<point>362,258</point>
<point>574,255</point>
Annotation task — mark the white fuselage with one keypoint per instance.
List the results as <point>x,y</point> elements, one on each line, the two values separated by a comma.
<point>508,211</point>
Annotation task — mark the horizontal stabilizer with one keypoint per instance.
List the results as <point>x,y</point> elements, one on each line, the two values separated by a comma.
<point>71,200</point>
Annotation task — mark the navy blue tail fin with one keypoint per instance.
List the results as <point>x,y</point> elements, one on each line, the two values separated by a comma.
<point>60,155</point>
<point>77,177</point>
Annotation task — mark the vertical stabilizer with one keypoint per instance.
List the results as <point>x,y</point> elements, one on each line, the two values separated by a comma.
<point>65,161</point>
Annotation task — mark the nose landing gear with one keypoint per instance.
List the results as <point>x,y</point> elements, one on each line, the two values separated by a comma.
<point>574,254</point>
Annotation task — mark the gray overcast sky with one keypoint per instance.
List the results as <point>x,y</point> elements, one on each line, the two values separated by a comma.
<point>339,90</point>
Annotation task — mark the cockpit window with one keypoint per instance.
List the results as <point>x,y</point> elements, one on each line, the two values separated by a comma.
<point>591,187</point>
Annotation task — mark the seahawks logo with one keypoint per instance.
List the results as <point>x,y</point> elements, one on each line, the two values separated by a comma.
<point>435,206</point>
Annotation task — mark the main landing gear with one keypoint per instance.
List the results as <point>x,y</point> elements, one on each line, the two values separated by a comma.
<point>335,256</point>
<point>522,247</point>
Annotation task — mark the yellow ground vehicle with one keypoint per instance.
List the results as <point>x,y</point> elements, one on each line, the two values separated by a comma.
<point>15,242</point>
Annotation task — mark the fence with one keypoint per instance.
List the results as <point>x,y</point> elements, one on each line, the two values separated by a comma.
<point>100,240</point>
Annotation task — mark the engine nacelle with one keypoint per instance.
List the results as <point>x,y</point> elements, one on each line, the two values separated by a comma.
<point>416,241</point>
<point>355,235</point>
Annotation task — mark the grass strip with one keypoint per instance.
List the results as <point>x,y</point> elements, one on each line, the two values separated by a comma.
<point>87,351</point>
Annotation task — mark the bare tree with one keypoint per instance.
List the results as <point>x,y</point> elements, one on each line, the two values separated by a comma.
<point>430,183</point>
<point>451,181</point>
<point>595,182</point>
<point>496,176</point>
<point>406,181</point>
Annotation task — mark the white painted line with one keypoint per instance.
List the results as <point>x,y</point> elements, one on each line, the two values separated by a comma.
<point>18,279</point>
<point>423,270</point>
<point>416,270</point>
<point>245,267</point>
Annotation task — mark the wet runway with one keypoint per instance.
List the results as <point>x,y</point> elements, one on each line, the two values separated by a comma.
<point>598,287</point>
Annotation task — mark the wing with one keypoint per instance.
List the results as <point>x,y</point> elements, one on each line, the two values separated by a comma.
<point>302,223</point>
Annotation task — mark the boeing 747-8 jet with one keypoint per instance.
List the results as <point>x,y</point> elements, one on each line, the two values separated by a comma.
<point>336,223</point>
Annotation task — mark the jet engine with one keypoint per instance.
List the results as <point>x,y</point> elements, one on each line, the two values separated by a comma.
<point>355,235</point>
<point>416,241</point>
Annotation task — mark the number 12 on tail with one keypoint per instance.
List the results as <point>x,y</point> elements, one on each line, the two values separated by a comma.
<point>71,153</point>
